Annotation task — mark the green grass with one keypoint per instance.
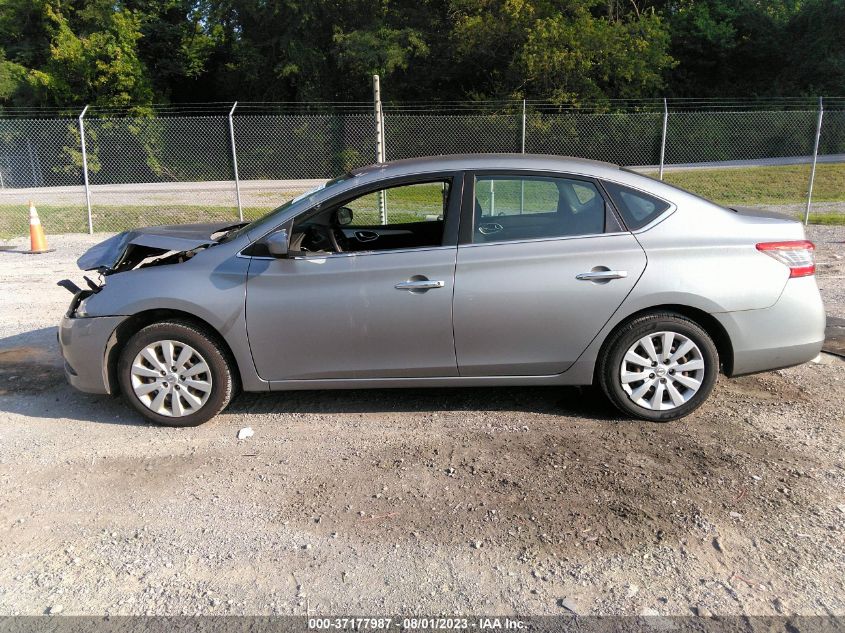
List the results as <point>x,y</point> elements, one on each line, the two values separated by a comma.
<point>752,186</point>
<point>14,219</point>
<point>407,204</point>
<point>410,203</point>
<point>835,219</point>
<point>499,196</point>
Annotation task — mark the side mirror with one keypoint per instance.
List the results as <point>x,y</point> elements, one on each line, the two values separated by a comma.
<point>277,243</point>
<point>343,216</point>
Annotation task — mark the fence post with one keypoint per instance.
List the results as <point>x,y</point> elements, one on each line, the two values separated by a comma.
<point>663,138</point>
<point>815,159</point>
<point>85,169</point>
<point>521,180</point>
<point>523,126</point>
<point>235,161</point>
<point>379,114</point>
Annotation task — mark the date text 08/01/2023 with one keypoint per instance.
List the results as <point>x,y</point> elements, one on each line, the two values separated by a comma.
<point>375,623</point>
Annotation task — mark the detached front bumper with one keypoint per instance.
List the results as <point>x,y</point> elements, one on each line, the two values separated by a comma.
<point>83,343</point>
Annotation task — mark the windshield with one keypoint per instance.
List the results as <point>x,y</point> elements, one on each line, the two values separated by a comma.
<point>244,228</point>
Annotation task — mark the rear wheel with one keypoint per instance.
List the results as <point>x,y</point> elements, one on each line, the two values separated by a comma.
<point>175,374</point>
<point>659,367</point>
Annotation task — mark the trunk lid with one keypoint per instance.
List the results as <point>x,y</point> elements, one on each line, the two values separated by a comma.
<point>762,225</point>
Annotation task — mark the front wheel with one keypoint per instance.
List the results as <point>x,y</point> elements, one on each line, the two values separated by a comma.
<point>175,374</point>
<point>659,367</point>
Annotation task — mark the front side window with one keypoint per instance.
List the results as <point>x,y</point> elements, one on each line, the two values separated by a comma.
<point>403,216</point>
<point>406,204</point>
<point>535,207</point>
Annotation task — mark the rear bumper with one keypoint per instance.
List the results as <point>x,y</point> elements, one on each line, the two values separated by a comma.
<point>788,333</point>
<point>83,343</point>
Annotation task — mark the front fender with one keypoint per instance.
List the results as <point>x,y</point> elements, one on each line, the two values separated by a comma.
<point>207,288</point>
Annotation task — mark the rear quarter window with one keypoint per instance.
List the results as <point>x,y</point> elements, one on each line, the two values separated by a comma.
<point>635,207</point>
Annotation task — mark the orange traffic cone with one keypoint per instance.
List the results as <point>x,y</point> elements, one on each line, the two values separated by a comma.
<point>37,239</point>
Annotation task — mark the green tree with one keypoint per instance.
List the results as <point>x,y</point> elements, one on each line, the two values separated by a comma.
<point>817,63</point>
<point>120,52</point>
<point>101,67</point>
<point>568,51</point>
<point>12,78</point>
<point>729,48</point>
<point>179,39</point>
<point>381,51</point>
<point>581,57</point>
<point>90,57</point>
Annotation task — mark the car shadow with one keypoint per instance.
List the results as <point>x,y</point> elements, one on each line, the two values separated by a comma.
<point>33,384</point>
<point>31,365</point>
<point>30,361</point>
<point>582,402</point>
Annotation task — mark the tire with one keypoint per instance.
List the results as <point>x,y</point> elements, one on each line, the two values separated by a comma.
<point>200,388</point>
<point>657,391</point>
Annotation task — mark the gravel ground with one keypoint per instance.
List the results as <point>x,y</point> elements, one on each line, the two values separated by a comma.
<point>507,501</point>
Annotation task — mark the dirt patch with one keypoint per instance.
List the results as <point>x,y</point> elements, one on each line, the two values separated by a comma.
<point>767,387</point>
<point>834,342</point>
<point>29,369</point>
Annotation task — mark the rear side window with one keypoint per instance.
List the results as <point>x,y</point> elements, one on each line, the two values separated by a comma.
<point>535,207</point>
<point>637,208</point>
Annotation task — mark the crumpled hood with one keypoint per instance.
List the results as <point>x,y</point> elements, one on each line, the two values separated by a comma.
<point>176,237</point>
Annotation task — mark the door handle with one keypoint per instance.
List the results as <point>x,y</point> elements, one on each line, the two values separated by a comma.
<point>602,275</point>
<point>419,284</point>
<point>366,236</point>
<point>490,228</point>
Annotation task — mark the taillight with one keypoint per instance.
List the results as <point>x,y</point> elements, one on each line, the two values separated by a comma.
<point>798,256</point>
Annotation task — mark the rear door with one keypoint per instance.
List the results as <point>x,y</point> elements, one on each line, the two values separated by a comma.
<point>543,262</point>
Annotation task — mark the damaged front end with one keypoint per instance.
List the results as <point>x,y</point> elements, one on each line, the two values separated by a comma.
<point>141,248</point>
<point>156,245</point>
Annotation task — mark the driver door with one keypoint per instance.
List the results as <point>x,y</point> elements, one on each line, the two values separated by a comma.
<point>379,308</point>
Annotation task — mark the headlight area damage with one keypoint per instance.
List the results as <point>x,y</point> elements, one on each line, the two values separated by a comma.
<point>140,248</point>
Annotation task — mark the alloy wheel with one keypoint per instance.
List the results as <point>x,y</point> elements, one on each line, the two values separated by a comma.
<point>662,371</point>
<point>171,378</point>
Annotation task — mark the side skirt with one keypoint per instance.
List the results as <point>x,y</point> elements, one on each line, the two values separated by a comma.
<point>580,373</point>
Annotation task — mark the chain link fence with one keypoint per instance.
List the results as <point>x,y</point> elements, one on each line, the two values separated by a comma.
<point>765,156</point>
<point>123,152</point>
<point>621,138</point>
<point>223,163</point>
<point>411,135</point>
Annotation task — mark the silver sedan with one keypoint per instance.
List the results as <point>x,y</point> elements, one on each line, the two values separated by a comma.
<point>449,271</point>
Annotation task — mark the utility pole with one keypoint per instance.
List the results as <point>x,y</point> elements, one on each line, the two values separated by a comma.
<point>663,138</point>
<point>85,169</point>
<point>379,116</point>
<point>235,161</point>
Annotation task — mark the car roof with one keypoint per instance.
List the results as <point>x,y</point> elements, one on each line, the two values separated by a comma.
<point>607,172</point>
<point>538,162</point>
